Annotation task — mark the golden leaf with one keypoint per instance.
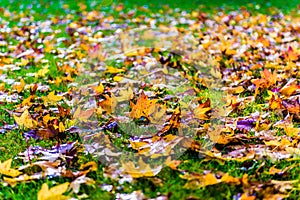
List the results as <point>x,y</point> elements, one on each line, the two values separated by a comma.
<point>117,78</point>
<point>61,128</point>
<point>51,98</point>
<point>229,179</point>
<point>27,101</point>
<point>141,170</point>
<point>200,112</point>
<point>6,170</point>
<point>20,86</point>
<point>109,104</point>
<point>210,179</point>
<point>99,89</point>
<point>143,107</point>
<point>25,120</point>
<point>273,170</point>
<point>14,181</point>
<point>289,90</point>
<point>275,102</point>
<point>125,95</point>
<point>113,70</point>
<point>55,192</point>
<point>2,87</point>
<point>91,165</point>
<point>196,180</point>
<point>42,72</point>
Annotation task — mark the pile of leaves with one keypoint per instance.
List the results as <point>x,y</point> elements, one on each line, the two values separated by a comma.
<point>88,108</point>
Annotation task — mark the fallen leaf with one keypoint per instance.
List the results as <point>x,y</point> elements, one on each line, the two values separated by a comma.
<point>25,120</point>
<point>55,192</point>
<point>201,111</point>
<point>140,170</point>
<point>51,98</point>
<point>5,168</point>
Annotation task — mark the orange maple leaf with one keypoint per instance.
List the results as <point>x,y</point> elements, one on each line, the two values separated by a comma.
<point>143,107</point>
<point>201,111</point>
<point>268,79</point>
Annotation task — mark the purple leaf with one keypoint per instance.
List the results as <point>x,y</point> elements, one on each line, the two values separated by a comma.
<point>245,124</point>
<point>31,134</point>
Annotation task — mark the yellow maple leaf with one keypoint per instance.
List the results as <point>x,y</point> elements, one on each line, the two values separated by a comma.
<point>25,120</point>
<point>99,89</point>
<point>51,98</point>
<point>143,107</point>
<point>196,180</point>
<point>47,118</point>
<point>210,179</point>
<point>24,62</point>
<point>275,102</point>
<point>42,72</point>
<point>141,170</point>
<point>229,179</point>
<point>109,104</point>
<point>92,166</point>
<point>55,192</point>
<point>19,86</point>
<point>27,101</point>
<point>6,170</point>
<point>200,112</point>
<point>289,90</point>
<point>125,95</point>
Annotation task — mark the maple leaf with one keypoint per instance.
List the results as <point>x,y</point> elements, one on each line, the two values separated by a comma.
<point>143,107</point>
<point>92,166</point>
<point>42,72</point>
<point>291,54</point>
<point>201,111</point>
<point>55,192</point>
<point>275,102</point>
<point>25,120</point>
<point>5,168</point>
<point>99,89</point>
<point>51,98</point>
<point>22,178</point>
<point>125,95</point>
<point>20,86</point>
<point>196,180</point>
<point>229,179</point>
<point>109,104</point>
<point>141,170</point>
<point>289,88</point>
<point>27,101</point>
<point>83,115</point>
<point>268,79</point>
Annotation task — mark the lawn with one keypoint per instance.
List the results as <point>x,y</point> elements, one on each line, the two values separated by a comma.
<point>160,100</point>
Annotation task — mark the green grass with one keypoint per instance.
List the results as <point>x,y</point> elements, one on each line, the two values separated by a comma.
<point>57,7</point>
<point>192,162</point>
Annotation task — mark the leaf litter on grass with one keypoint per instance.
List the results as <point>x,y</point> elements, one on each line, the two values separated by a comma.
<point>142,90</point>
<point>166,114</point>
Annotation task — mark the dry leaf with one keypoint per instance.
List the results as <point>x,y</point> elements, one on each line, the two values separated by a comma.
<point>25,120</point>
<point>51,98</point>
<point>55,192</point>
<point>6,170</point>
